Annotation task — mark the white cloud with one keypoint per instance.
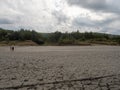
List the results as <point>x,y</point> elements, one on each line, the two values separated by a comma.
<point>62,15</point>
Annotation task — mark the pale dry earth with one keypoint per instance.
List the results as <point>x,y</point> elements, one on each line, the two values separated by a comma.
<point>60,68</point>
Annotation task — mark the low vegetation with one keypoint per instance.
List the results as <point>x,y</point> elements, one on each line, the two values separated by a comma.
<point>31,37</point>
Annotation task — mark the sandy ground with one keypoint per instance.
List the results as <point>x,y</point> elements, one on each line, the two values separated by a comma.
<point>60,68</point>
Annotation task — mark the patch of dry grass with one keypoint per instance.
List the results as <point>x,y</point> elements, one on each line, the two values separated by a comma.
<point>18,43</point>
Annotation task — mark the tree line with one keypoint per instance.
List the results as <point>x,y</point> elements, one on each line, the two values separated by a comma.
<point>59,38</point>
<point>20,35</point>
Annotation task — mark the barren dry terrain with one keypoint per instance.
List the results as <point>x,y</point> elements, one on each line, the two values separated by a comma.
<point>60,68</point>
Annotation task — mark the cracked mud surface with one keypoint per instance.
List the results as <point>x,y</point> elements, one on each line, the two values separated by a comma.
<point>60,68</point>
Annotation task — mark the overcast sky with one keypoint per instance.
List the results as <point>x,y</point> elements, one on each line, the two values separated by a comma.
<point>61,15</point>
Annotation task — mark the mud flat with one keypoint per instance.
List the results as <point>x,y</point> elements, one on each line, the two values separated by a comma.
<point>60,68</point>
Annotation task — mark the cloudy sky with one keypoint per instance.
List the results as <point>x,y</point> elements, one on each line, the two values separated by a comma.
<point>61,15</point>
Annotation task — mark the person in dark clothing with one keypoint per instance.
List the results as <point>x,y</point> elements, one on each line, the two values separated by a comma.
<point>12,48</point>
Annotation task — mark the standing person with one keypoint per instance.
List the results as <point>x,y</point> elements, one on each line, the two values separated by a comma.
<point>12,48</point>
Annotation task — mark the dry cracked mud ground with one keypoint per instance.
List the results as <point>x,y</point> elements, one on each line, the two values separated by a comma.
<point>60,68</point>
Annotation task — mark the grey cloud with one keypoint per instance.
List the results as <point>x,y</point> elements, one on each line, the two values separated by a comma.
<point>5,21</point>
<point>111,6</point>
<point>60,16</point>
<point>79,23</point>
